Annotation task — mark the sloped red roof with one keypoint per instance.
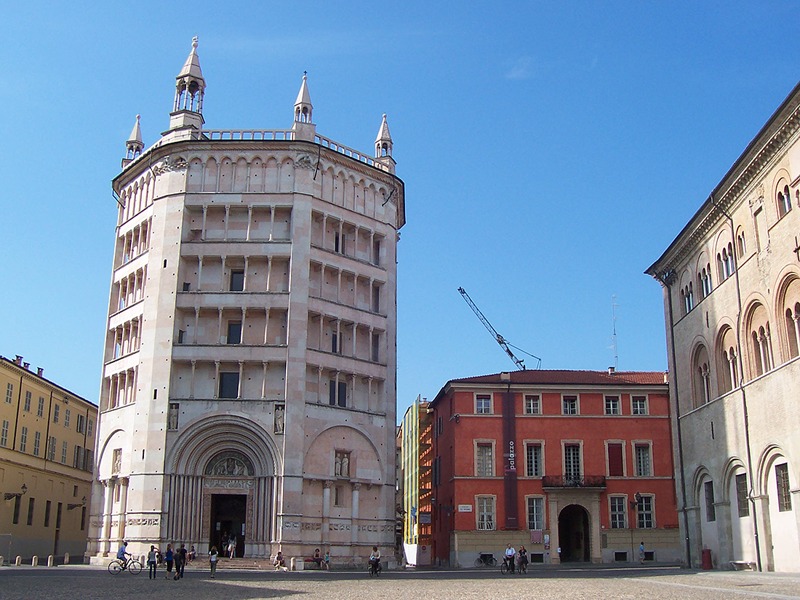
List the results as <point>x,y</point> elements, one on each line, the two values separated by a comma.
<point>564,377</point>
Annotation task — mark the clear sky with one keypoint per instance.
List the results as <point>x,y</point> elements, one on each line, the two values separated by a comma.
<point>551,152</point>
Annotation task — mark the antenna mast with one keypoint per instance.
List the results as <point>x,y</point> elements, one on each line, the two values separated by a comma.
<point>497,337</point>
<point>614,329</point>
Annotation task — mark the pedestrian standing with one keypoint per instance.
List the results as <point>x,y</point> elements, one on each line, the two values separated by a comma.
<point>180,561</point>
<point>151,562</point>
<point>169,558</point>
<point>641,552</point>
<point>212,559</point>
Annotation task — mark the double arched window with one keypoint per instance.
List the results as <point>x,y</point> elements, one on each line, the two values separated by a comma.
<point>725,262</point>
<point>701,376</point>
<point>760,341</point>
<point>784,201</point>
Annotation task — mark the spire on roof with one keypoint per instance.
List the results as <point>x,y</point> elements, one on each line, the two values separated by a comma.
<point>134,145</point>
<point>189,84</point>
<point>383,143</point>
<point>303,106</point>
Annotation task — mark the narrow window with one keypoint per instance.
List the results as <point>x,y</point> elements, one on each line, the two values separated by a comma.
<point>51,448</point>
<point>80,423</point>
<point>376,252</point>
<point>484,460</point>
<point>533,460</point>
<point>485,513</point>
<point>47,507</point>
<point>27,406</point>
<point>536,513</point>
<point>40,409</point>
<point>31,505</point>
<point>56,410</point>
<point>572,463</point>
<point>711,513</point>
<point>17,504</point>
<point>64,453</point>
<point>741,495</point>
<point>4,434</point>
<point>644,512</point>
<point>483,405</point>
<point>784,494</point>
<point>643,460</point>
<point>66,417</point>
<point>37,441</point>
<point>618,512</point>
<point>23,440</point>
<point>532,404</point>
<point>376,299</point>
<point>9,392</point>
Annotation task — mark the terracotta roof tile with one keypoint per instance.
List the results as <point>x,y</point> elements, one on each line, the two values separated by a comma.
<point>564,377</point>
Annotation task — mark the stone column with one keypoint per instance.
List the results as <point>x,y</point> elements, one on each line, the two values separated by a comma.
<point>326,510</point>
<point>123,506</point>
<point>105,536</point>
<point>355,520</point>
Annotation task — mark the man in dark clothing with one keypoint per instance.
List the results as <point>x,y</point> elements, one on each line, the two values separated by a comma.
<point>180,561</point>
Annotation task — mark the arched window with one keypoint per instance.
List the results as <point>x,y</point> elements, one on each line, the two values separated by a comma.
<point>790,301</point>
<point>741,242</point>
<point>760,342</point>
<point>727,361</point>
<point>793,329</point>
<point>784,201</point>
<point>704,280</point>
<point>701,375</point>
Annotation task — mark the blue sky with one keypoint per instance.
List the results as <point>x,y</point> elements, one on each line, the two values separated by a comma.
<point>551,151</point>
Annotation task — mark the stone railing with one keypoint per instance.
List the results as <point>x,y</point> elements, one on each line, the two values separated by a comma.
<point>246,134</point>
<point>355,154</point>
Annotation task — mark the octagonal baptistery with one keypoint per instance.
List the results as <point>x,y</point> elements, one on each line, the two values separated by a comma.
<point>248,389</point>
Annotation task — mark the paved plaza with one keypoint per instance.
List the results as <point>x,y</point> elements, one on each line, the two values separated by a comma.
<point>89,583</point>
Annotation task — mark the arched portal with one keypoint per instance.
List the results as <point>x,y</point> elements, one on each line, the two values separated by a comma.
<point>573,534</point>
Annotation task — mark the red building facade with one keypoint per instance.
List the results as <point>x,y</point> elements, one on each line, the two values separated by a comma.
<point>575,465</point>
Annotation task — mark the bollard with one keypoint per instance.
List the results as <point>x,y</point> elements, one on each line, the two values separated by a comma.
<point>2,560</point>
<point>66,558</point>
<point>50,561</point>
<point>18,562</point>
<point>35,561</point>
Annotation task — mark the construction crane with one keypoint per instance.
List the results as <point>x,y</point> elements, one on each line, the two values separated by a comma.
<point>497,337</point>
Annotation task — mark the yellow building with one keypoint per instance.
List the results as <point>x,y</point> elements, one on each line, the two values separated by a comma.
<point>417,442</point>
<point>46,455</point>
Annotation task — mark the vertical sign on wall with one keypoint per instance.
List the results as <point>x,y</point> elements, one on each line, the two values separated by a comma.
<point>510,460</point>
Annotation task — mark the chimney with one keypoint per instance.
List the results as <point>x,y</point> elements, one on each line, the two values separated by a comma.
<point>611,370</point>
<point>18,360</point>
<point>27,366</point>
<point>505,376</point>
<point>40,371</point>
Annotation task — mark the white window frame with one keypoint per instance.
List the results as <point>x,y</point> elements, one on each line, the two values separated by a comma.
<point>542,519</point>
<point>635,445</point>
<point>534,407</point>
<point>482,397</point>
<point>623,512</point>
<point>579,444</point>
<point>489,524</point>
<point>646,399</point>
<point>9,393</point>
<point>4,434</point>
<point>539,443</point>
<point>478,443</point>
<point>616,405</point>
<point>652,512</point>
<point>564,399</point>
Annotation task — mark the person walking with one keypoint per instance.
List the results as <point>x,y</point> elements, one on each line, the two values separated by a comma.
<point>212,560</point>
<point>180,562</point>
<point>151,563</point>
<point>169,558</point>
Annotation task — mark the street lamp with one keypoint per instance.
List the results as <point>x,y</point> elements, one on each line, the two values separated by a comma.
<point>10,495</point>
<point>74,506</point>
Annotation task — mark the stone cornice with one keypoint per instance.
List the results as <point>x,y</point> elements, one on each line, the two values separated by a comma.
<point>737,182</point>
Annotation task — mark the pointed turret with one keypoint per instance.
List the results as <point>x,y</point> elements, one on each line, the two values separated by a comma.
<point>134,145</point>
<point>383,146</point>
<point>304,128</point>
<point>187,110</point>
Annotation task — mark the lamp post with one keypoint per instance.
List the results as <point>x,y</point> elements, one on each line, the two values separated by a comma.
<point>634,505</point>
<point>10,495</point>
<point>74,506</point>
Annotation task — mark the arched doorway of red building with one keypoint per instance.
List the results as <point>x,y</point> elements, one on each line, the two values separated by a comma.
<point>573,534</point>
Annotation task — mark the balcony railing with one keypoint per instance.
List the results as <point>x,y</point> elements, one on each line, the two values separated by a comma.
<point>563,481</point>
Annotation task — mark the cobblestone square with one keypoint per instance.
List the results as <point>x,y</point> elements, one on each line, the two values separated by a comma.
<point>89,583</point>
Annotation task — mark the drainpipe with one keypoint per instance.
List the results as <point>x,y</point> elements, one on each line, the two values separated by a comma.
<point>665,279</point>
<point>741,379</point>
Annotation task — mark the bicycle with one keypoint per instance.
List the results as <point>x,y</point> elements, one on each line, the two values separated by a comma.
<point>507,566</point>
<point>374,568</point>
<point>522,566</point>
<point>133,566</point>
<point>485,560</point>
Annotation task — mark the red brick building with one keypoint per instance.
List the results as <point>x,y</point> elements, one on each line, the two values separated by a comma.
<point>554,460</point>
